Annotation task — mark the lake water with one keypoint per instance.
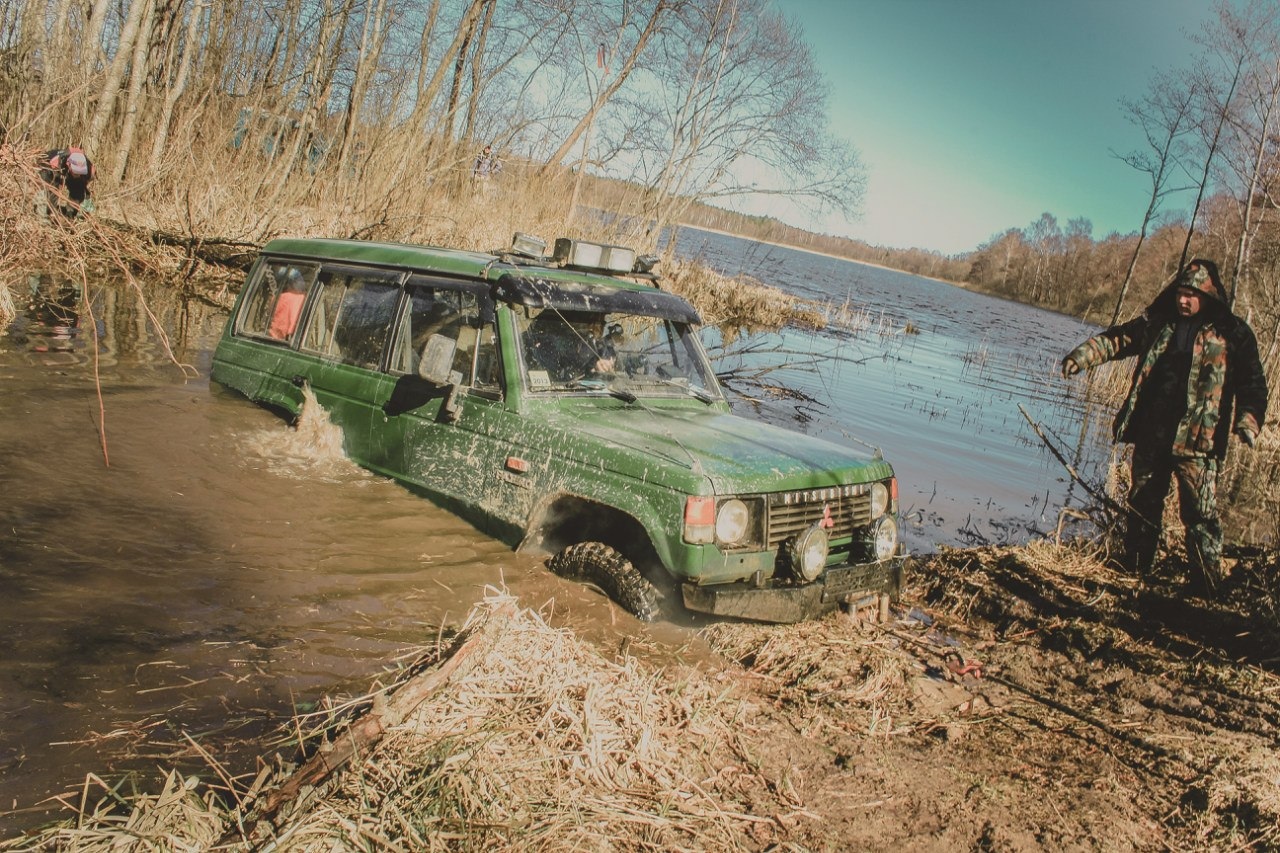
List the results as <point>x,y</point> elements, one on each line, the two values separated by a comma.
<point>180,566</point>
<point>941,404</point>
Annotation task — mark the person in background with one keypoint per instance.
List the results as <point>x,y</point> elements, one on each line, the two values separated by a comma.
<point>68,172</point>
<point>487,165</point>
<point>1198,379</point>
<point>284,318</point>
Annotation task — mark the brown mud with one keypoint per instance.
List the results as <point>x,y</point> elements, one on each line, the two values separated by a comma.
<point>1020,698</point>
<point>1051,704</point>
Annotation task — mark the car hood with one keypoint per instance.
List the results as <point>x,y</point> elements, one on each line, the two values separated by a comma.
<point>738,455</point>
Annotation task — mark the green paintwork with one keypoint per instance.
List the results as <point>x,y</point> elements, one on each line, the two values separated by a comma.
<point>516,459</point>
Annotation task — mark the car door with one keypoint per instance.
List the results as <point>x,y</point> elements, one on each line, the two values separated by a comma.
<point>345,332</point>
<point>258,359</point>
<point>446,390</point>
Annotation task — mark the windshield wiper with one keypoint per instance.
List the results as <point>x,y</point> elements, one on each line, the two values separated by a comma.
<point>600,385</point>
<point>624,396</point>
<point>702,394</point>
<point>692,390</point>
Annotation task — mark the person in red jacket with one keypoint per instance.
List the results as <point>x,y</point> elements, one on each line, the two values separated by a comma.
<point>284,318</point>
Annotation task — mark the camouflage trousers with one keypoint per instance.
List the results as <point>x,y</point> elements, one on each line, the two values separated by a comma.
<point>1196,478</point>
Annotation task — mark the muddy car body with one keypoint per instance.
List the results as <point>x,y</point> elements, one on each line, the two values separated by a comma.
<point>564,404</point>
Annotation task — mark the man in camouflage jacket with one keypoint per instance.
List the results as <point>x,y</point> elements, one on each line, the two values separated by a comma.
<point>1198,378</point>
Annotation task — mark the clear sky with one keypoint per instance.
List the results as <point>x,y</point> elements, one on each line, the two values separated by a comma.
<point>976,116</point>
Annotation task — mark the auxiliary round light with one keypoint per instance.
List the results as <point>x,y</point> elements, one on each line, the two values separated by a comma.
<point>731,522</point>
<point>879,499</point>
<point>886,538</point>
<point>809,555</point>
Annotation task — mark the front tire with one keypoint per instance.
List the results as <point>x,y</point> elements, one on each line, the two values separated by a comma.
<point>613,573</point>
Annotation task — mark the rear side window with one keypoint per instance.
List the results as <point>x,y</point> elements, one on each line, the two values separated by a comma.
<point>274,304</point>
<point>352,316</point>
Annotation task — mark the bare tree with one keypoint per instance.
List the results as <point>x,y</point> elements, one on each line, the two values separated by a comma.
<point>1248,158</point>
<point>369,56</point>
<point>186,51</point>
<point>138,74</point>
<point>737,109</point>
<point>611,80</point>
<point>111,86</point>
<point>1164,116</point>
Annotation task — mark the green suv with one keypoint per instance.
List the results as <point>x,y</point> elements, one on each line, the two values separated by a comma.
<point>564,404</point>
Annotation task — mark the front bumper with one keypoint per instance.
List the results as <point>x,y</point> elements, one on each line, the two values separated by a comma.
<point>798,602</point>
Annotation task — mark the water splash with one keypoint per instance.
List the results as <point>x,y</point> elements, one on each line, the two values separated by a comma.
<point>311,449</point>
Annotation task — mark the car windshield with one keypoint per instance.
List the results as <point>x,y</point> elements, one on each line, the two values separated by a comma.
<point>586,352</point>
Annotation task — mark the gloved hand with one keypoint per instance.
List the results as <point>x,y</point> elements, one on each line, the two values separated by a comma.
<point>1069,367</point>
<point>1246,435</point>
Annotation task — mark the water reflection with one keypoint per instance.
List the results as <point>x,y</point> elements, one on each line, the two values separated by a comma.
<point>50,319</point>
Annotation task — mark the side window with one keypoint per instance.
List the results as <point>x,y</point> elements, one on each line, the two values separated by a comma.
<point>352,316</point>
<point>274,303</point>
<point>452,318</point>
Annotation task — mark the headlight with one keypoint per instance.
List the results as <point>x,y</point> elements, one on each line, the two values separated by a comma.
<point>879,499</point>
<point>886,538</point>
<point>807,553</point>
<point>732,522</point>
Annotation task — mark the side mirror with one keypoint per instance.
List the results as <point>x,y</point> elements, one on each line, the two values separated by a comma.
<point>437,359</point>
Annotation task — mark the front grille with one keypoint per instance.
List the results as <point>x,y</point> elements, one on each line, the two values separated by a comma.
<point>790,513</point>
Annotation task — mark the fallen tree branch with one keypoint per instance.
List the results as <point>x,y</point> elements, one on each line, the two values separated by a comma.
<point>387,712</point>
<point>221,251</point>
<point>1108,502</point>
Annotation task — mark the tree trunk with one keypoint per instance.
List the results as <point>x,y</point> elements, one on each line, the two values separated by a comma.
<point>477,75</point>
<point>176,89</point>
<point>371,42</point>
<point>110,90</point>
<point>421,109</point>
<point>138,74</point>
<point>91,52</point>
<point>455,85</point>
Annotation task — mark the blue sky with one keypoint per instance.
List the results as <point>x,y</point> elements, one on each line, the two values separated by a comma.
<point>975,116</point>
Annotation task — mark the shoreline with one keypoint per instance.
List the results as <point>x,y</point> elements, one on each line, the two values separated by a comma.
<point>821,254</point>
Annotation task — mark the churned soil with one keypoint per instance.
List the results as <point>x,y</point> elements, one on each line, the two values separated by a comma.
<point>1020,698</point>
<point>1028,699</point>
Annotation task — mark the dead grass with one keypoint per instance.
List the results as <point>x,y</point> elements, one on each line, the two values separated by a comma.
<point>738,303</point>
<point>828,672</point>
<point>543,745</point>
<point>1078,689</point>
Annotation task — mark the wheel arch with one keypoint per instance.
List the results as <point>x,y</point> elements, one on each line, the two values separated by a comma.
<point>565,519</point>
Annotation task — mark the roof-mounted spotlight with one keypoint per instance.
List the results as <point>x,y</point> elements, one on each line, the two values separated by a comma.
<point>645,264</point>
<point>578,253</point>
<point>617,259</point>
<point>527,245</point>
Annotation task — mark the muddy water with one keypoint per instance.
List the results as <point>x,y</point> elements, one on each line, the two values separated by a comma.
<point>204,569</point>
<point>219,570</point>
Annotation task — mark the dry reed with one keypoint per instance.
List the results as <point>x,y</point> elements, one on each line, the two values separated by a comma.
<point>739,303</point>
<point>542,745</point>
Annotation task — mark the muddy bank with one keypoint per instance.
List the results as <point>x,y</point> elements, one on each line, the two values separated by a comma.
<point>1020,698</point>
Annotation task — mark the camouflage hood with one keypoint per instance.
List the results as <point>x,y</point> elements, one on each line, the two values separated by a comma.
<point>1199,275</point>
